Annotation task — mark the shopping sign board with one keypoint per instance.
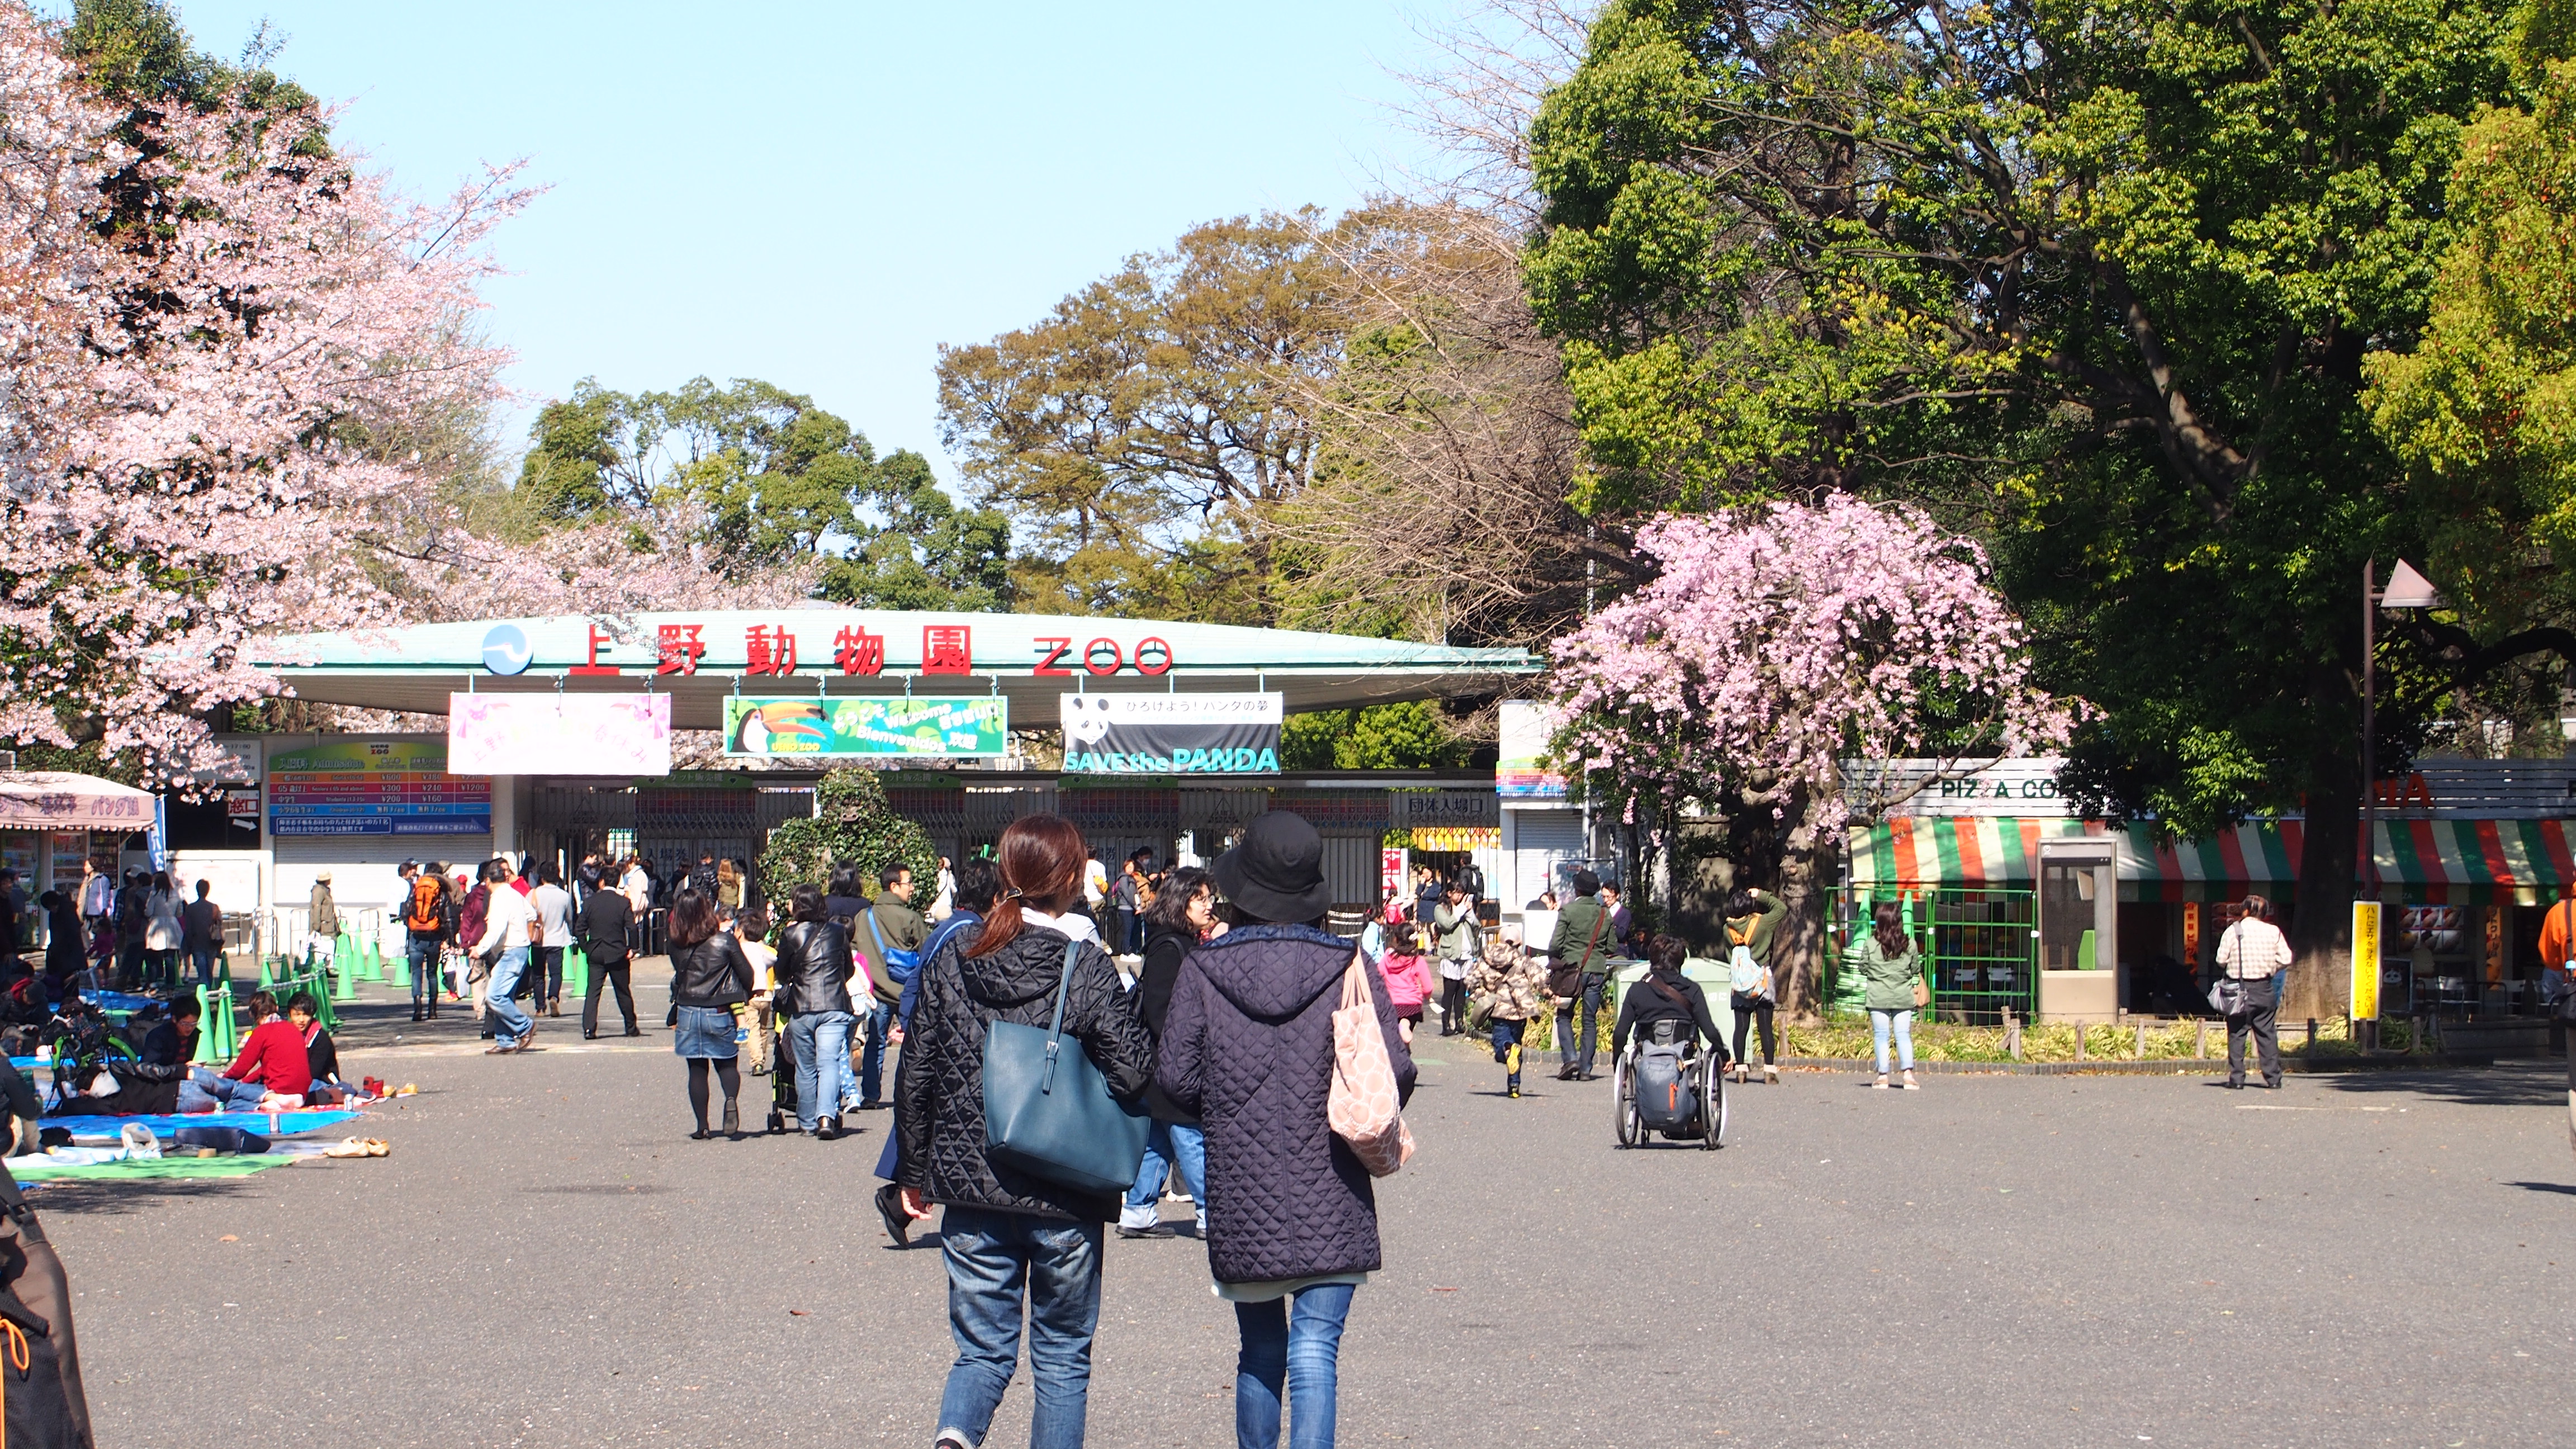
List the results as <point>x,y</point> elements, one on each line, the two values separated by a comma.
<point>1172,734</point>
<point>878,725</point>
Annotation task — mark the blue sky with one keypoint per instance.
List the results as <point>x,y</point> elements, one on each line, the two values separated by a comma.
<point>819,195</point>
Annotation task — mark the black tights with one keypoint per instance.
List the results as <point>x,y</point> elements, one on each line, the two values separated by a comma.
<point>1754,1011</point>
<point>726,1071</point>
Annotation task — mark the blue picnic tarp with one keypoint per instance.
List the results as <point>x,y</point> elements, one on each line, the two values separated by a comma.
<point>289,1124</point>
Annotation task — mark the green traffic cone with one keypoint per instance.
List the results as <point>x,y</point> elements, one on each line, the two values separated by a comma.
<point>205,1052</point>
<point>268,972</point>
<point>371,963</point>
<point>344,982</point>
<point>576,972</point>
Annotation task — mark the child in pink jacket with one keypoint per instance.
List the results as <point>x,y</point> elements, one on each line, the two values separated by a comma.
<point>1407,966</point>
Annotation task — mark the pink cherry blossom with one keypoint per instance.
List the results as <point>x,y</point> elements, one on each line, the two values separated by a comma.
<point>1777,642</point>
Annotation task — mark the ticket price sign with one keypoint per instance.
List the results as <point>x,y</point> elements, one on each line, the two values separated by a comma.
<point>359,786</point>
<point>2365,959</point>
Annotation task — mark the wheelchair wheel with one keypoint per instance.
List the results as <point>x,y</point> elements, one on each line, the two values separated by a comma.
<point>1712,1102</point>
<point>1623,1101</point>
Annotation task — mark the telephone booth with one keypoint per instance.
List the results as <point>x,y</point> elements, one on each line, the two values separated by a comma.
<point>2079,967</point>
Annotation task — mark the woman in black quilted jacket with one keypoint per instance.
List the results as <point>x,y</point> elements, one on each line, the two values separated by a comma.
<point>1248,1046</point>
<point>1012,1240</point>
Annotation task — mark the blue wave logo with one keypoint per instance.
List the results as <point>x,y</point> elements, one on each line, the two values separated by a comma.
<point>505,649</point>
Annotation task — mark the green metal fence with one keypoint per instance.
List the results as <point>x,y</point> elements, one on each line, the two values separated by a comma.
<point>1977,944</point>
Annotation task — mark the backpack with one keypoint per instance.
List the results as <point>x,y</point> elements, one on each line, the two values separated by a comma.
<point>478,906</point>
<point>1666,1101</point>
<point>425,918</point>
<point>1744,975</point>
<point>41,1400</point>
<point>1471,879</point>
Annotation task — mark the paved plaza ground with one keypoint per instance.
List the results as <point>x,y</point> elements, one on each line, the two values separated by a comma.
<point>544,1260</point>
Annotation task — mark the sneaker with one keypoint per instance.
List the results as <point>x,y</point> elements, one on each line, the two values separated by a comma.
<point>1516,1091</point>
<point>1158,1230</point>
<point>1881,1083</point>
<point>1912,1085</point>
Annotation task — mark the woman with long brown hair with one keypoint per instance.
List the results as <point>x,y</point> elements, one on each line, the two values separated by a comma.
<point>1892,966</point>
<point>710,976</point>
<point>1013,1241</point>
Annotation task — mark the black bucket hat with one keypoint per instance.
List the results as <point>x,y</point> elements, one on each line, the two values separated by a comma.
<point>1277,873</point>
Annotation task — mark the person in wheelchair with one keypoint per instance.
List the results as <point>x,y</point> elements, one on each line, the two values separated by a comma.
<point>1667,1016</point>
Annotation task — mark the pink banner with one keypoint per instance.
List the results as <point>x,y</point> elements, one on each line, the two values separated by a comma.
<point>559,734</point>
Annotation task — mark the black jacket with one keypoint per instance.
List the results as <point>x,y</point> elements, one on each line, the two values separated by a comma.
<point>602,925</point>
<point>1164,951</point>
<point>813,968</point>
<point>1248,1045</point>
<point>939,1082</point>
<point>713,972</point>
<point>1645,1003</point>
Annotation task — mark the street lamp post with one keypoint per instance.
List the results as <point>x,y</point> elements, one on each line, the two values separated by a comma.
<point>2406,589</point>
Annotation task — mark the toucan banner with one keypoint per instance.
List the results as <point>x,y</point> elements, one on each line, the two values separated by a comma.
<point>1171,734</point>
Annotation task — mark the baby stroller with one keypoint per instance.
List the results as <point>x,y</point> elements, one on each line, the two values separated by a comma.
<point>1668,1082</point>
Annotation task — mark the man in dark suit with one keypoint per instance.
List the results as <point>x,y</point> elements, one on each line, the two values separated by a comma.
<point>601,928</point>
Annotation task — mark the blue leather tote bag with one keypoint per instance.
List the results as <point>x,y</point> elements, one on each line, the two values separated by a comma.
<point>1047,1109</point>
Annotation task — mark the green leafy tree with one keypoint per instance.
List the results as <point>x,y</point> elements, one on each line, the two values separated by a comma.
<point>2483,412</point>
<point>2095,280</point>
<point>775,478</point>
<point>852,825</point>
<point>1408,736</point>
<point>1134,434</point>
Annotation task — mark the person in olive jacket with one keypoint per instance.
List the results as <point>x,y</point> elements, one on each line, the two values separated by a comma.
<point>813,973</point>
<point>1013,1242</point>
<point>1248,1047</point>
<point>1892,966</point>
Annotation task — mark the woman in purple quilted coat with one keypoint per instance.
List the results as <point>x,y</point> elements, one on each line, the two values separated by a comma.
<point>1248,1047</point>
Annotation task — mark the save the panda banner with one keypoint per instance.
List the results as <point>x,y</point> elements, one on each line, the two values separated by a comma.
<point>1172,734</point>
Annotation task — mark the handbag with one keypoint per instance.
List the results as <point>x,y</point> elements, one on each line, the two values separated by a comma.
<point>1566,982</point>
<point>1363,1108</point>
<point>1048,1112</point>
<point>1922,994</point>
<point>900,966</point>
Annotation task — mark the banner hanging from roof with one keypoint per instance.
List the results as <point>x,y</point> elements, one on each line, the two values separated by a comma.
<point>1521,770</point>
<point>1172,734</point>
<point>559,734</point>
<point>871,725</point>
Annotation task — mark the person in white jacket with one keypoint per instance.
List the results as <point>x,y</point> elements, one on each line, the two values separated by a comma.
<point>2252,954</point>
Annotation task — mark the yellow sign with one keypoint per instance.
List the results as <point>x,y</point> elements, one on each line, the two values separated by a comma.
<point>2365,960</point>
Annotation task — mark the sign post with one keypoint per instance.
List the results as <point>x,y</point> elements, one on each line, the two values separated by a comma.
<point>2365,965</point>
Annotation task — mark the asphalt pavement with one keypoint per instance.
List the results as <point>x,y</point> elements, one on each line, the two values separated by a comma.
<point>545,1260</point>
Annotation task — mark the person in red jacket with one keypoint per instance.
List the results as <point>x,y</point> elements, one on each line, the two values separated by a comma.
<point>272,1063</point>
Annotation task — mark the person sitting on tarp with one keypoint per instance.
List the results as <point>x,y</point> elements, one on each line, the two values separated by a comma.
<point>320,1055</point>
<point>146,1082</point>
<point>272,1064</point>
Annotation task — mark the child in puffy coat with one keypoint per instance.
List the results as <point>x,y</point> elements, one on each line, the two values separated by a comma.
<point>1407,965</point>
<point>1507,987</point>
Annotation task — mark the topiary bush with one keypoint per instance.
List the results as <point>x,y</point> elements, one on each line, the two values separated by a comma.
<point>852,825</point>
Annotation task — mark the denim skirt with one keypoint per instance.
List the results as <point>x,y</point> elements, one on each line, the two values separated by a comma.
<point>704,1031</point>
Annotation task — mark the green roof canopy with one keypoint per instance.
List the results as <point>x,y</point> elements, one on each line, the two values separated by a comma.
<point>699,657</point>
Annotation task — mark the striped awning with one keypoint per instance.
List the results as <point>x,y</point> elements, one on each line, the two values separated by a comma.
<point>2435,861</point>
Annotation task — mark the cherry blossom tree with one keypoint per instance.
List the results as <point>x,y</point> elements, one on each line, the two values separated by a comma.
<point>1774,644</point>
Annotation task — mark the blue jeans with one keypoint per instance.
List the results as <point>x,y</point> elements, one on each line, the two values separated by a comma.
<point>423,952</point>
<point>1903,1022</point>
<point>510,1025</point>
<point>207,1090</point>
<point>995,1260</point>
<point>821,1041</point>
<point>1507,1048</point>
<point>872,1061</point>
<point>203,958</point>
<point>1301,1349</point>
<point>1167,1144</point>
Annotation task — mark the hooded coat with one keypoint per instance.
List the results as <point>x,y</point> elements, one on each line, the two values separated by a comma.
<point>1248,1047</point>
<point>939,1080</point>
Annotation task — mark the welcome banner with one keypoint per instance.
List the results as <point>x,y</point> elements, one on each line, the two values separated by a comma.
<point>1172,734</point>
